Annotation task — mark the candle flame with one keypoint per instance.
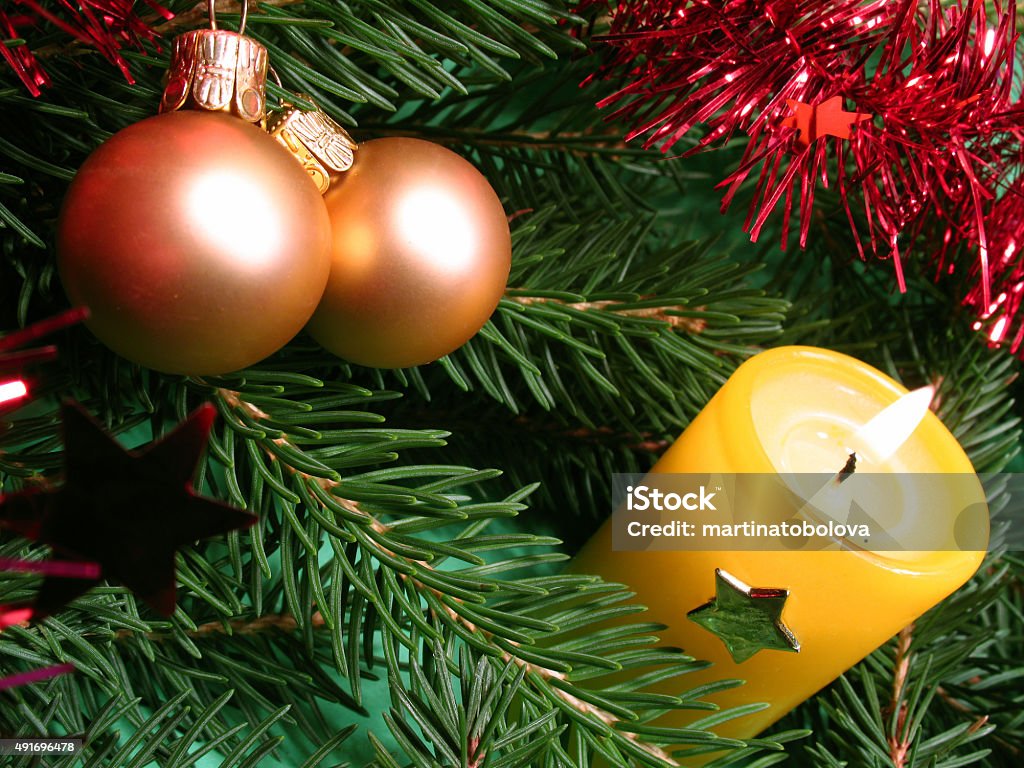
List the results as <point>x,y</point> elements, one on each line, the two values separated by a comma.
<point>12,390</point>
<point>893,425</point>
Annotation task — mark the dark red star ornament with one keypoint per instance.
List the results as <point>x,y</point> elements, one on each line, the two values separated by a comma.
<point>130,511</point>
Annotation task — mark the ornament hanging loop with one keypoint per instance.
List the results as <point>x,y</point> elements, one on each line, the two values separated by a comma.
<point>212,7</point>
<point>277,81</point>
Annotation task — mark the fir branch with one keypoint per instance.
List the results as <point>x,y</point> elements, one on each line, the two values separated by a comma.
<point>548,429</point>
<point>452,611</point>
<point>672,316</point>
<point>268,622</point>
<point>899,743</point>
<point>577,144</point>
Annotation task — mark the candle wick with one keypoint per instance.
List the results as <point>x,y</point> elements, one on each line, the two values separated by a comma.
<point>848,468</point>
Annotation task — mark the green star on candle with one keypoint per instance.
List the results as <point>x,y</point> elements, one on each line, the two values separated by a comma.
<point>747,619</point>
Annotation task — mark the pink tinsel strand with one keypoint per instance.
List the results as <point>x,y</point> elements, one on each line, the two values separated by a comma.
<point>12,391</point>
<point>64,569</point>
<point>14,614</point>
<point>11,358</point>
<point>42,328</point>
<point>35,675</point>
<point>36,331</point>
<point>107,25</point>
<point>21,359</point>
<point>945,140</point>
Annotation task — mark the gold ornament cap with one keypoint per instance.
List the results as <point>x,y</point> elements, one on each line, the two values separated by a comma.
<point>322,146</point>
<point>217,70</point>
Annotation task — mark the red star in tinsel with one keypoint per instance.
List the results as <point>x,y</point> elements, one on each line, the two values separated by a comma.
<point>815,121</point>
<point>943,157</point>
<point>127,510</point>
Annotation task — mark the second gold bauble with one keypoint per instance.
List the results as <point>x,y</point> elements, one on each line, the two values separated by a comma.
<point>420,255</point>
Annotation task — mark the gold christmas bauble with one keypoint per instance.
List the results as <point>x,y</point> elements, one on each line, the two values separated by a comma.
<point>198,244</point>
<point>420,255</point>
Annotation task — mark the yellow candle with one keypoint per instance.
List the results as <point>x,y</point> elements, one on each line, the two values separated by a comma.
<point>797,409</point>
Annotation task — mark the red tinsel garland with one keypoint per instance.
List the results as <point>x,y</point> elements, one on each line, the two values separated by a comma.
<point>941,145</point>
<point>106,25</point>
